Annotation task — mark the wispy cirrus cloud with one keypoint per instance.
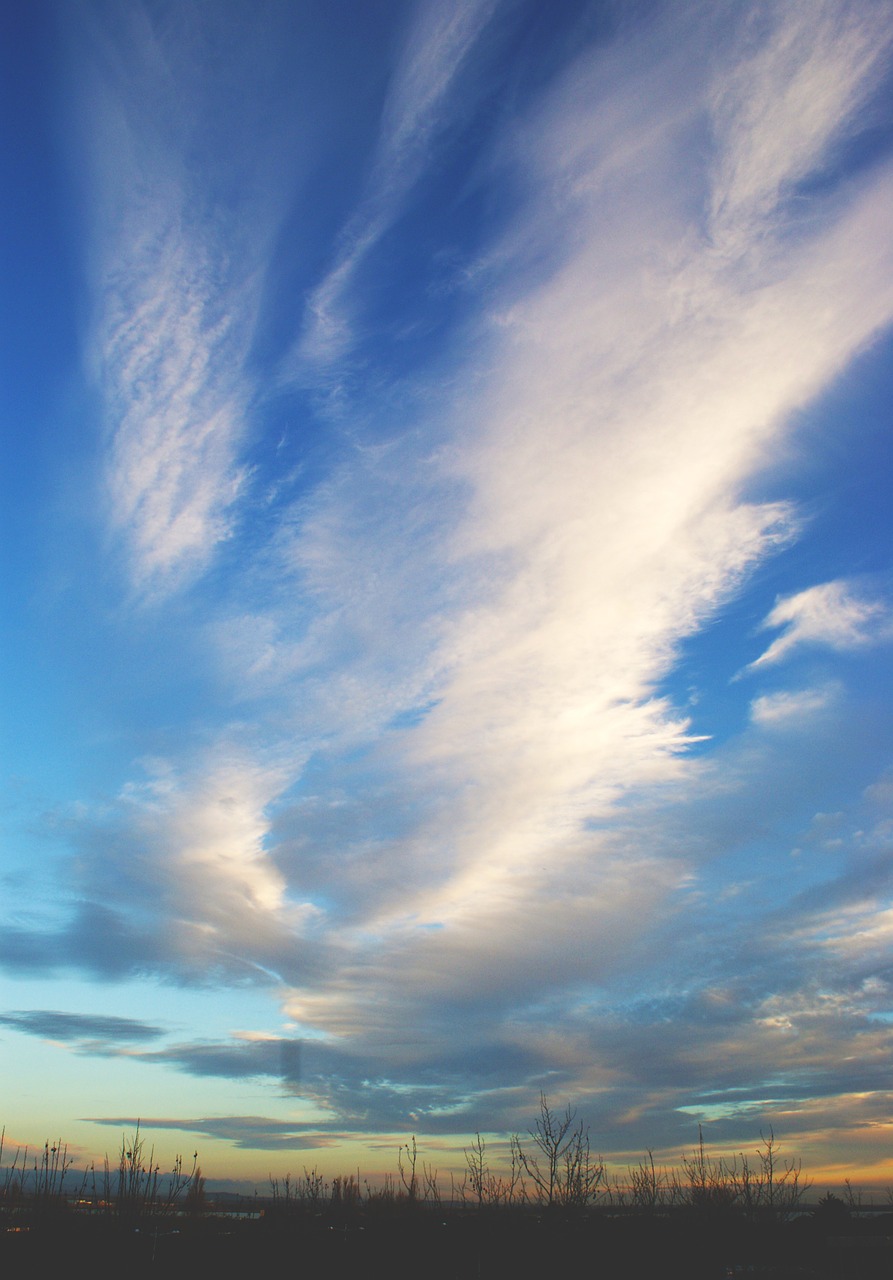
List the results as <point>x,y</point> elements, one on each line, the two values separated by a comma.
<point>605,450</point>
<point>596,451</point>
<point>421,104</point>
<point>176,281</point>
<point>175,403</point>
<point>831,615</point>
<point>605,461</point>
<point>468,800</point>
<point>783,107</point>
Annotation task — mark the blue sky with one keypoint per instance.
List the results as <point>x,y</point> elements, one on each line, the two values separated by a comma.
<point>446,576</point>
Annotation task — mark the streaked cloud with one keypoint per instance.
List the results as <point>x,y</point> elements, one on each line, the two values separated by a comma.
<point>830,615</point>
<point>461,777</point>
<point>176,285</point>
<point>604,452</point>
<point>256,1133</point>
<point>85,1028</point>
<point>602,444</point>
<point>176,409</point>
<point>422,103</point>
<point>785,104</point>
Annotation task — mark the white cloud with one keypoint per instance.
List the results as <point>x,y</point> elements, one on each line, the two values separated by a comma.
<point>181,856</point>
<point>783,106</point>
<point>175,406</point>
<point>617,405</point>
<point>417,109</point>
<point>791,707</point>
<point>864,934</point>
<point>521,570</point>
<point>830,615</point>
<point>175,283</point>
<point>201,834</point>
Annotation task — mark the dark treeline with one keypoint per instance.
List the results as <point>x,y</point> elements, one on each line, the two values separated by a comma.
<point>553,1210</point>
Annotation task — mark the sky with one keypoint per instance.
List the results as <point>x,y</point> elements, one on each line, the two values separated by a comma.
<point>446,577</point>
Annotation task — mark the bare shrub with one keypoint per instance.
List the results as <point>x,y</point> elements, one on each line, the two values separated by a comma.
<point>561,1167</point>
<point>483,1187</point>
<point>770,1188</point>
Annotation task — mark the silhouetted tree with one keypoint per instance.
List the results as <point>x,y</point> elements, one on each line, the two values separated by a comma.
<point>562,1168</point>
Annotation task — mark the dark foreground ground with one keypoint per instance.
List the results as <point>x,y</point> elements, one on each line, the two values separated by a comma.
<point>450,1245</point>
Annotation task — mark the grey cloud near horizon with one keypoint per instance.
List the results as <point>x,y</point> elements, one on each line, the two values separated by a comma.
<point>95,1029</point>
<point>404,1069</point>
<point>254,1133</point>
